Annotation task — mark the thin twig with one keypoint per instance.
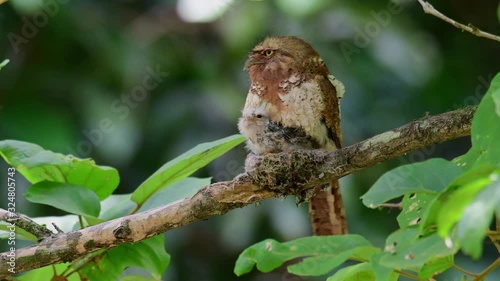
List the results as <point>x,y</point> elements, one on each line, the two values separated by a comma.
<point>494,237</point>
<point>429,9</point>
<point>487,271</point>
<point>57,228</point>
<point>459,269</point>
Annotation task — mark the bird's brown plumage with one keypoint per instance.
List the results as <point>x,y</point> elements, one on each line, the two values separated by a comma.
<point>291,86</point>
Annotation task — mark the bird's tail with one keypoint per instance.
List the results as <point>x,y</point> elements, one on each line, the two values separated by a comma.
<point>327,211</point>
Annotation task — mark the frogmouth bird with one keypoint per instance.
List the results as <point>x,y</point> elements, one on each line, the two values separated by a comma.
<point>293,103</point>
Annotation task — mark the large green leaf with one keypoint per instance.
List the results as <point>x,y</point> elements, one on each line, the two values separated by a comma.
<point>431,176</point>
<point>37,164</point>
<point>148,254</point>
<point>477,217</point>
<point>115,206</point>
<point>179,190</point>
<point>382,273</point>
<point>414,208</point>
<point>485,131</point>
<point>183,166</point>
<point>407,250</point>
<point>360,271</point>
<point>70,198</point>
<point>47,273</point>
<point>495,95</point>
<point>430,215</point>
<point>137,278</point>
<point>454,203</point>
<point>322,254</point>
<point>21,234</point>
<point>434,267</point>
<point>317,266</point>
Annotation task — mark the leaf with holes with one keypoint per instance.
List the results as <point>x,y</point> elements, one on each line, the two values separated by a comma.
<point>431,177</point>
<point>405,249</point>
<point>321,253</point>
<point>414,207</point>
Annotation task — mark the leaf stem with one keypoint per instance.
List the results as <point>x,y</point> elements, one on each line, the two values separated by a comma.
<point>80,220</point>
<point>458,268</point>
<point>494,237</point>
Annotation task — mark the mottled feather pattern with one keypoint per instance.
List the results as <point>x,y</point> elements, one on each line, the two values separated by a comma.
<point>292,103</point>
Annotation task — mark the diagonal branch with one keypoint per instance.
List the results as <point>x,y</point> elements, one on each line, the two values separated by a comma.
<point>21,221</point>
<point>429,9</point>
<point>268,176</point>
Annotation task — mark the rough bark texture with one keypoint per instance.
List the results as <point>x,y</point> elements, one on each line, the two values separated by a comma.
<point>25,223</point>
<point>269,176</point>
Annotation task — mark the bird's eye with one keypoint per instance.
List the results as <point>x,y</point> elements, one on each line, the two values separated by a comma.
<point>259,116</point>
<point>268,53</point>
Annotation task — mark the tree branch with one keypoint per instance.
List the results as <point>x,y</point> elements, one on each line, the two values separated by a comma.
<point>268,176</point>
<point>429,9</point>
<point>21,221</point>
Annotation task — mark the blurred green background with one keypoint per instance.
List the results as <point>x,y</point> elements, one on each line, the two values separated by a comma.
<point>75,63</point>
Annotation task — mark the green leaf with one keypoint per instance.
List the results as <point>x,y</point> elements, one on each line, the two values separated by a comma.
<point>4,63</point>
<point>47,272</point>
<point>89,221</point>
<point>115,206</point>
<point>70,198</point>
<point>183,166</point>
<point>429,218</point>
<point>405,249</point>
<point>179,190</point>
<point>495,95</point>
<point>477,218</point>
<point>365,253</point>
<point>317,266</point>
<point>434,267</point>
<point>360,271</point>
<point>270,254</point>
<point>21,234</point>
<point>37,164</point>
<point>431,176</point>
<point>137,278</point>
<point>414,207</point>
<point>148,254</point>
<point>382,273</point>
<point>485,131</point>
<point>321,265</point>
<point>455,202</point>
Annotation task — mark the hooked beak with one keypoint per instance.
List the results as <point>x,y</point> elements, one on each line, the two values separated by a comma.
<point>251,61</point>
